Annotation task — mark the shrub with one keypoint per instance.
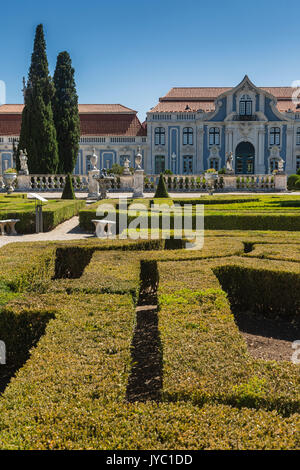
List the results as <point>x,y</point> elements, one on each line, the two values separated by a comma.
<point>68,192</point>
<point>292,179</point>
<point>161,190</point>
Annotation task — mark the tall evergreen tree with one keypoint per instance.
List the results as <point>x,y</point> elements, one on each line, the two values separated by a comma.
<point>38,134</point>
<point>65,113</point>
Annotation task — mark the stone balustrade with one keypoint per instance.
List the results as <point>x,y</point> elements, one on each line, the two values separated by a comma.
<point>197,183</point>
<point>174,183</point>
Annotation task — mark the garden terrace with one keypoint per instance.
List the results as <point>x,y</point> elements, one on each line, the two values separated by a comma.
<point>72,391</point>
<point>230,213</point>
<point>54,212</point>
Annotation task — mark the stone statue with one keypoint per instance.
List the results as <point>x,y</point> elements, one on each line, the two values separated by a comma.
<point>93,160</point>
<point>126,170</point>
<point>23,163</point>
<point>229,161</point>
<point>280,165</point>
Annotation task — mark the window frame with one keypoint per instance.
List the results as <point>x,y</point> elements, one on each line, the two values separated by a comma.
<point>298,136</point>
<point>188,136</point>
<point>214,133</point>
<point>159,136</point>
<point>247,103</point>
<point>275,136</point>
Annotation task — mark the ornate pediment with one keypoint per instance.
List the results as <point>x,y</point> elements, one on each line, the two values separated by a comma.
<point>245,129</point>
<point>214,152</point>
<point>275,152</point>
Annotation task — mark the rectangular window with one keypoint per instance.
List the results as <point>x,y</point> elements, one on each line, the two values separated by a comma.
<point>214,163</point>
<point>160,165</point>
<point>187,164</point>
<point>298,162</point>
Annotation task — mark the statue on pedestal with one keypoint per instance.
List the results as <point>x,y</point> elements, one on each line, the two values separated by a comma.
<point>126,170</point>
<point>229,160</point>
<point>23,163</point>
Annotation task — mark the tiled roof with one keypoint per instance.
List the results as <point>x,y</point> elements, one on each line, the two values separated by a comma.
<point>194,93</point>
<point>95,119</point>
<point>181,106</point>
<point>11,108</point>
<point>104,108</point>
<point>195,98</point>
<point>10,124</point>
<point>83,108</point>
<point>211,93</point>
<point>111,124</point>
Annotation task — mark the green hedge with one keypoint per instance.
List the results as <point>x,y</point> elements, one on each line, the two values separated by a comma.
<point>292,181</point>
<point>260,290</point>
<point>54,213</point>
<point>205,357</point>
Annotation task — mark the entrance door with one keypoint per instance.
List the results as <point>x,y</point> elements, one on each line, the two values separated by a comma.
<point>159,164</point>
<point>187,164</point>
<point>244,159</point>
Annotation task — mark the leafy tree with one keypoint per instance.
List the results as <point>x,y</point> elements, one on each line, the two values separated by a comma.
<point>68,192</point>
<point>161,190</point>
<point>65,113</point>
<point>38,134</point>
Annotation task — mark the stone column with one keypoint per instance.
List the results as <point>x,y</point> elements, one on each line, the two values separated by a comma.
<point>229,182</point>
<point>126,182</point>
<point>138,183</point>
<point>23,182</point>
<point>260,167</point>
<point>93,185</point>
<point>280,182</point>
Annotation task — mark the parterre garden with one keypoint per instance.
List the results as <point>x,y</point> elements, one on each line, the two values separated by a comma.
<point>123,344</point>
<point>17,206</point>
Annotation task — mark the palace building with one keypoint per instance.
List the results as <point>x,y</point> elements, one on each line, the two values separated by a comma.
<point>187,132</point>
<point>113,130</point>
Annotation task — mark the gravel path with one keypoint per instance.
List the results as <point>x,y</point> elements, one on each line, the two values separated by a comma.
<point>68,230</point>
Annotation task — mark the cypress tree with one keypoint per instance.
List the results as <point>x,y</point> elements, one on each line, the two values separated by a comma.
<point>161,190</point>
<point>38,134</point>
<point>65,113</point>
<point>68,192</point>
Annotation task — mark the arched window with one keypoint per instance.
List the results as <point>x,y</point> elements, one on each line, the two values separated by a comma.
<point>214,136</point>
<point>298,136</point>
<point>275,136</point>
<point>159,136</point>
<point>245,106</point>
<point>188,136</point>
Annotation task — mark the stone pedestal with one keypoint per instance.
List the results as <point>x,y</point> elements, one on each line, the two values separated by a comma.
<point>138,183</point>
<point>23,182</point>
<point>229,181</point>
<point>93,185</point>
<point>126,182</point>
<point>280,182</point>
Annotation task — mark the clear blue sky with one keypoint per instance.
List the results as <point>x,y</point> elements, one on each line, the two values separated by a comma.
<point>133,51</point>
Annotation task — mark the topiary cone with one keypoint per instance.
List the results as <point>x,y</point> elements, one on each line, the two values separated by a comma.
<point>161,190</point>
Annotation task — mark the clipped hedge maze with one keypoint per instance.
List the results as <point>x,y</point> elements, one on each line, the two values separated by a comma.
<point>127,345</point>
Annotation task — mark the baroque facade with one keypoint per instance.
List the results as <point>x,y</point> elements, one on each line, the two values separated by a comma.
<point>193,129</point>
<point>187,132</point>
